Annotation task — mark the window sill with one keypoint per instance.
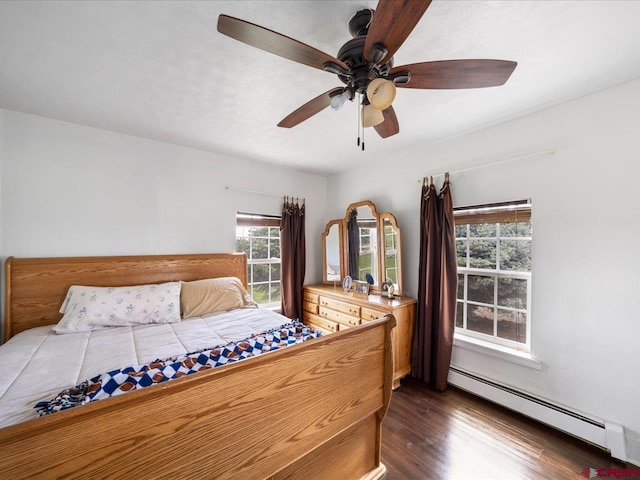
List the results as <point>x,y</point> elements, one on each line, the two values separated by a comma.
<point>497,351</point>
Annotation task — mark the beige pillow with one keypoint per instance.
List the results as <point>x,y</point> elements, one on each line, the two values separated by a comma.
<point>203,297</point>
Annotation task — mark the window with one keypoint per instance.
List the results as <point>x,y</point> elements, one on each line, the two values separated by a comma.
<point>259,237</point>
<point>493,244</point>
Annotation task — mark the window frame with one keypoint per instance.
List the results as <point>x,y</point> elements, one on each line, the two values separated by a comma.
<point>497,213</point>
<point>253,220</point>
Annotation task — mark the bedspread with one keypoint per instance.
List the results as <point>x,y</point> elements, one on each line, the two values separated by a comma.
<point>30,361</point>
<point>123,380</point>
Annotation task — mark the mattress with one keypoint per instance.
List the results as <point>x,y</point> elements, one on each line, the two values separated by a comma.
<point>37,364</point>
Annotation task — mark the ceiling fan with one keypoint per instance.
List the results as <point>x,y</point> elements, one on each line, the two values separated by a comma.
<point>364,64</point>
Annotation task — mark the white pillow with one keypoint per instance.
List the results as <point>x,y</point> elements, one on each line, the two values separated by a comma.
<point>96,308</point>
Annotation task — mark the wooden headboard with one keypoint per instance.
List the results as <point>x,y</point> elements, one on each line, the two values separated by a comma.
<point>36,287</point>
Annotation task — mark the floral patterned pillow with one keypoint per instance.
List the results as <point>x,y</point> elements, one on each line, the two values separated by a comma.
<point>96,308</point>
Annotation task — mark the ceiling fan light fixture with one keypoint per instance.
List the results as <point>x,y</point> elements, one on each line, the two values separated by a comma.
<point>381,93</point>
<point>337,101</point>
<point>371,116</point>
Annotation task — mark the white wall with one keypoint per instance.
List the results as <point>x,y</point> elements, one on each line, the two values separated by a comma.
<point>70,190</point>
<point>586,267</point>
<point>1,229</point>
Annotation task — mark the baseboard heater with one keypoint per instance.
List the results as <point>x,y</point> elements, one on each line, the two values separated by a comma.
<point>530,398</point>
<point>604,434</point>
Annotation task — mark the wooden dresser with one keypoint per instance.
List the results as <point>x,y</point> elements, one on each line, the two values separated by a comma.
<point>332,310</point>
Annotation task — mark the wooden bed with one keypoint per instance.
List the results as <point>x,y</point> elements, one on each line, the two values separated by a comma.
<point>319,416</point>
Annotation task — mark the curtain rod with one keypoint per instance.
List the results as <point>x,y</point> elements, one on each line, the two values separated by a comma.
<point>491,164</point>
<point>266,194</point>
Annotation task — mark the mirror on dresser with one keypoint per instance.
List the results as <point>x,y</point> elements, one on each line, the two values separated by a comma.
<point>332,252</point>
<point>391,251</point>
<point>361,243</point>
<point>364,245</point>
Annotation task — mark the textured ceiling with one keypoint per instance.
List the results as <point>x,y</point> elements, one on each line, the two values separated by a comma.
<point>160,70</point>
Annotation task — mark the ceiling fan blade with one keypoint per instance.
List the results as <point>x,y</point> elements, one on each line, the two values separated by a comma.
<point>274,42</point>
<point>393,21</point>
<point>309,109</point>
<point>390,125</point>
<point>447,74</point>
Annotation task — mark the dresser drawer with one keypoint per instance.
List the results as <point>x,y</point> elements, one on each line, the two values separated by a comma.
<point>310,297</point>
<point>340,306</point>
<point>368,314</point>
<point>340,317</point>
<point>310,307</point>
<point>322,323</point>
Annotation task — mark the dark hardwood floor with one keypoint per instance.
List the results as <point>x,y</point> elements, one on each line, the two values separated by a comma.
<point>455,435</point>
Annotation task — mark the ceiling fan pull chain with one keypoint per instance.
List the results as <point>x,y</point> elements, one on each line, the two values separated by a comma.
<point>358,115</point>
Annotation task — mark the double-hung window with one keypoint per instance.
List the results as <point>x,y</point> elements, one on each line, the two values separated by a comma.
<point>493,244</point>
<point>259,237</point>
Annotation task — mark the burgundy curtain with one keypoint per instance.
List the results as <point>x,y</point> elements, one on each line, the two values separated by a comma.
<point>437,287</point>
<point>293,257</point>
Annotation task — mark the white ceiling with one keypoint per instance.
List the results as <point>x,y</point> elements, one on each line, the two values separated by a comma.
<point>160,70</point>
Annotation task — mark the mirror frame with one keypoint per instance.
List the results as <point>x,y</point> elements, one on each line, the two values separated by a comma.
<point>376,287</point>
<point>341,254</point>
<point>342,229</point>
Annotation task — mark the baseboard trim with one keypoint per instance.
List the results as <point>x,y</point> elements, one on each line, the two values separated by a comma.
<point>579,425</point>
<point>622,444</point>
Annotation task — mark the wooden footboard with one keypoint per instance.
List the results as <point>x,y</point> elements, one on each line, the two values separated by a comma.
<point>311,411</point>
